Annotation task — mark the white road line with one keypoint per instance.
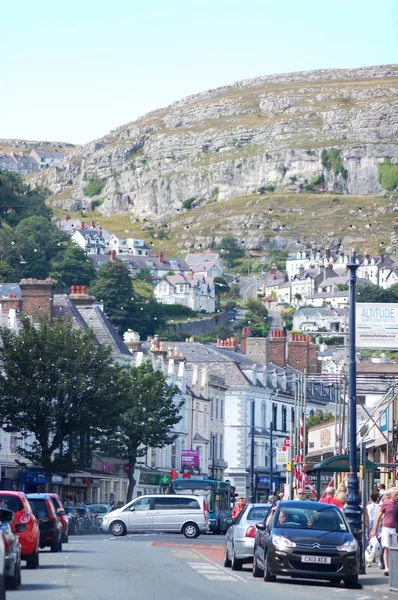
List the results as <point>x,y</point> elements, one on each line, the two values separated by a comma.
<point>220,569</point>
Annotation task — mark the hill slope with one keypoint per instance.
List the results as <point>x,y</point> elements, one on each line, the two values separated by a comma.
<point>322,130</point>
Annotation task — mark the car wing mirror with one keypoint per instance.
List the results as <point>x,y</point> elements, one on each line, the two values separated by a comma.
<point>261,526</point>
<point>6,516</point>
<point>132,509</point>
<point>61,512</point>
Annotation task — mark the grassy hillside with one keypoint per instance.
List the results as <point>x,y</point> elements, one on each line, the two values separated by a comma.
<point>364,222</point>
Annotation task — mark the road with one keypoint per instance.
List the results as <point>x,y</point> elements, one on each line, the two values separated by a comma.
<point>166,567</point>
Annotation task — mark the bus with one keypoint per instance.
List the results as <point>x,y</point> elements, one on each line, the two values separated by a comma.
<point>218,497</point>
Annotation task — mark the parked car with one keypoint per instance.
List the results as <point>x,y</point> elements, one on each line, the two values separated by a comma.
<point>310,540</point>
<point>239,539</point>
<point>62,515</point>
<point>12,550</point>
<point>163,512</point>
<point>25,525</point>
<point>2,569</point>
<point>49,523</point>
<point>98,511</point>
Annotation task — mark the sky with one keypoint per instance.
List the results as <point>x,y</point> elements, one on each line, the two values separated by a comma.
<point>73,71</point>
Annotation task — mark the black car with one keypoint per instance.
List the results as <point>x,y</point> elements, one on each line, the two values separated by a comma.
<point>12,549</point>
<point>49,524</point>
<point>310,540</point>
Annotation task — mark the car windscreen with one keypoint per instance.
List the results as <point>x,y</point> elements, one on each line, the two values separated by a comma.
<point>257,513</point>
<point>98,509</point>
<point>11,502</point>
<point>323,519</point>
<point>39,507</point>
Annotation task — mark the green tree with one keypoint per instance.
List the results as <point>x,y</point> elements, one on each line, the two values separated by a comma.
<point>144,275</point>
<point>148,421</point>
<point>230,244</point>
<point>18,201</point>
<point>56,383</point>
<point>72,267</point>
<point>113,287</point>
<point>374,293</point>
<point>319,417</point>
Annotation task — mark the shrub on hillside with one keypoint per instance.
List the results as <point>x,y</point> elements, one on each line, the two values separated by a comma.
<point>93,187</point>
<point>388,174</point>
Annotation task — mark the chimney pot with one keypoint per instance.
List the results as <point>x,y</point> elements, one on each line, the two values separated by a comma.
<point>113,255</point>
<point>81,224</point>
<point>161,257</point>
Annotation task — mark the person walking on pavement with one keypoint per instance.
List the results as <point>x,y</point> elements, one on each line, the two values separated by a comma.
<point>300,494</point>
<point>239,506</point>
<point>386,514</point>
<point>330,499</point>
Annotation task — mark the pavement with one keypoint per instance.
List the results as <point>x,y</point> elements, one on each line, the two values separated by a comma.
<point>169,567</point>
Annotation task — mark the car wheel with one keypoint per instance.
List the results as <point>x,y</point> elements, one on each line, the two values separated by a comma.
<point>236,564</point>
<point>55,545</point>
<point>190,530</point>
<point>227,562</point>
<point>257,572</point>
<point>118,529</point>
<point>351,583</point>
<point>32,561</point>
<point>267,574</point>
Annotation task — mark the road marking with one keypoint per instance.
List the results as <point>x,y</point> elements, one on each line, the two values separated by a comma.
<point>211,572</point>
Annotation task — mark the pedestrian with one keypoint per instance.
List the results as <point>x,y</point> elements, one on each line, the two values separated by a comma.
<point>68,501</point>
<point>342,497</point>
<point>271,501</point>
<point>280,495</point>
<point>386,514</point>
<point>300,494</point>
<point>239,506</point>
<point>119,504</point>
<point>382,489</point>
<point>330,499</point>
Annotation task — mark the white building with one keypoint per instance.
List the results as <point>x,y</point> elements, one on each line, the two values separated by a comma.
<point>132,246</point>
<point>47,158</point>
<point>90,240</point>
<point>207,265</point>
<point>196,292</point>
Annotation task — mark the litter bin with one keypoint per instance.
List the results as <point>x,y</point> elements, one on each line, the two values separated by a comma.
<point>394,562</point>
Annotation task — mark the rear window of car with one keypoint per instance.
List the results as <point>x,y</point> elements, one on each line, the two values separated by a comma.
<point>56,502</point>
<point>11,502</point>
<point>189,503</point>
<point>39,507</point>
<point>257,513</point>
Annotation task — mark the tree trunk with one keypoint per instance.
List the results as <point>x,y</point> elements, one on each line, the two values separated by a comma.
<point>132,481</point>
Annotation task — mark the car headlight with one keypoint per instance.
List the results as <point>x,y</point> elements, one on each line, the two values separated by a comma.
<point>282,543</point>
<point>350,546</point>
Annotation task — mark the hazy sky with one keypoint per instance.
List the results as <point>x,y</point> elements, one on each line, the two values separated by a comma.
<point>74,70</point>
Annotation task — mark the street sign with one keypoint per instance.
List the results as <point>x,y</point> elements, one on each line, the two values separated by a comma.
<point>289,465</point>
<point>286,442</point>
<point>284,448</point>
<point>376,325</point>
<point>281,457</point>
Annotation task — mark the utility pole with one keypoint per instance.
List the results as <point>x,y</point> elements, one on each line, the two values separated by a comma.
<point>353,509</point>
<point>271,465</point>
<point>252,415</point>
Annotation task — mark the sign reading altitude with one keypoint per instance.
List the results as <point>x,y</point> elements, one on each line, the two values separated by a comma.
<point>377,326</point>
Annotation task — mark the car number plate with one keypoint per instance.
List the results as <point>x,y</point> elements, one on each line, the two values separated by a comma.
<point>325,560</point>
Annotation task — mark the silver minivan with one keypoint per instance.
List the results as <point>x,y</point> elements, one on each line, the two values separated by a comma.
<point>161,512</point>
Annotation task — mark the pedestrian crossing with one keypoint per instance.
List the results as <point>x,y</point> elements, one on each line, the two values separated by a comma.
<point>213,572</point>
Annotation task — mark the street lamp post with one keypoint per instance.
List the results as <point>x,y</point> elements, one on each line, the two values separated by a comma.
<point>213,455</point>
<point>271,464</point>
<point>252,414</point>
<point>353,508</point>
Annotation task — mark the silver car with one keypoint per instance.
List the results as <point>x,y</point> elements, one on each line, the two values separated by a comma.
<point>239,539</point>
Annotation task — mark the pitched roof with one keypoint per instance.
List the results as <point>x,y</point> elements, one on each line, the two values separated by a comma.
<point>195,259</point>
<point>50,154</point>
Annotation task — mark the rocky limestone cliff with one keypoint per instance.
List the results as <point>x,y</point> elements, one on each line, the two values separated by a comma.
<point>264,133</point>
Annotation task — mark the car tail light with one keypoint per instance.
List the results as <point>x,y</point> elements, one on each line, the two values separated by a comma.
<point>250,532</point>
<point>25,518</point>
<point>205,508</point>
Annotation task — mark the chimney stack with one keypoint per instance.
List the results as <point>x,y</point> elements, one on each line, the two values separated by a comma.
<point>276,348</point>
<point>161,257</point>
<point>37,298</point>
<point>67,218</point>
<point>245,334</point>
<point>113,255</point>
<point>81,224</point>
<point>302,353</point>
<point>100,231</point>
<point>78,295</point>
<point>273,269</point>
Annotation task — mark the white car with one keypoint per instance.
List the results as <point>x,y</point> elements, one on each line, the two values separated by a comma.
<point>159,512</point>
<point>239,539</point>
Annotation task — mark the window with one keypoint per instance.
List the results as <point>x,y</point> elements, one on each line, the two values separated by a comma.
<point>284,418</point>
<point>173,456</point>
<point>222,409</point>
<point>189,504</point>
<point>256,461</point>
<point>263,414</point>
<point>197,415</point>
<point>221,446</point>
<point>141,504</point>
<point>216,408</point>
<point>153,457</point>
<point>11,502</point>
<point>215,445</point>
<point>167,503</point>
<point>211,408</point>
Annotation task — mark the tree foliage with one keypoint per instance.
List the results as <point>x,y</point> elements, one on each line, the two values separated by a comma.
<point>149,420</point>
<point>319,417</point>
<point>18,201</point>
<point>375,293</point>
<point>56,384</point>
<point>232,247</point>
<point>72,267</point>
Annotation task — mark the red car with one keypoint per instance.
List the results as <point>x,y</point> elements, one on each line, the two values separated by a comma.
<point>28,527</point>
<point>62,515</point>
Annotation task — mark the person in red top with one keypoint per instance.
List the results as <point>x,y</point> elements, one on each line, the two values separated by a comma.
<point>388,527</point>
<point>238,507</point>
<point>330,499</point>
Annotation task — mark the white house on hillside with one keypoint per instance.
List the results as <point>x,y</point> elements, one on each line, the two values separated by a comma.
<point>132,246</point>
<point>208,265</point>
<point>90,239</point>
<point>189,290</point>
